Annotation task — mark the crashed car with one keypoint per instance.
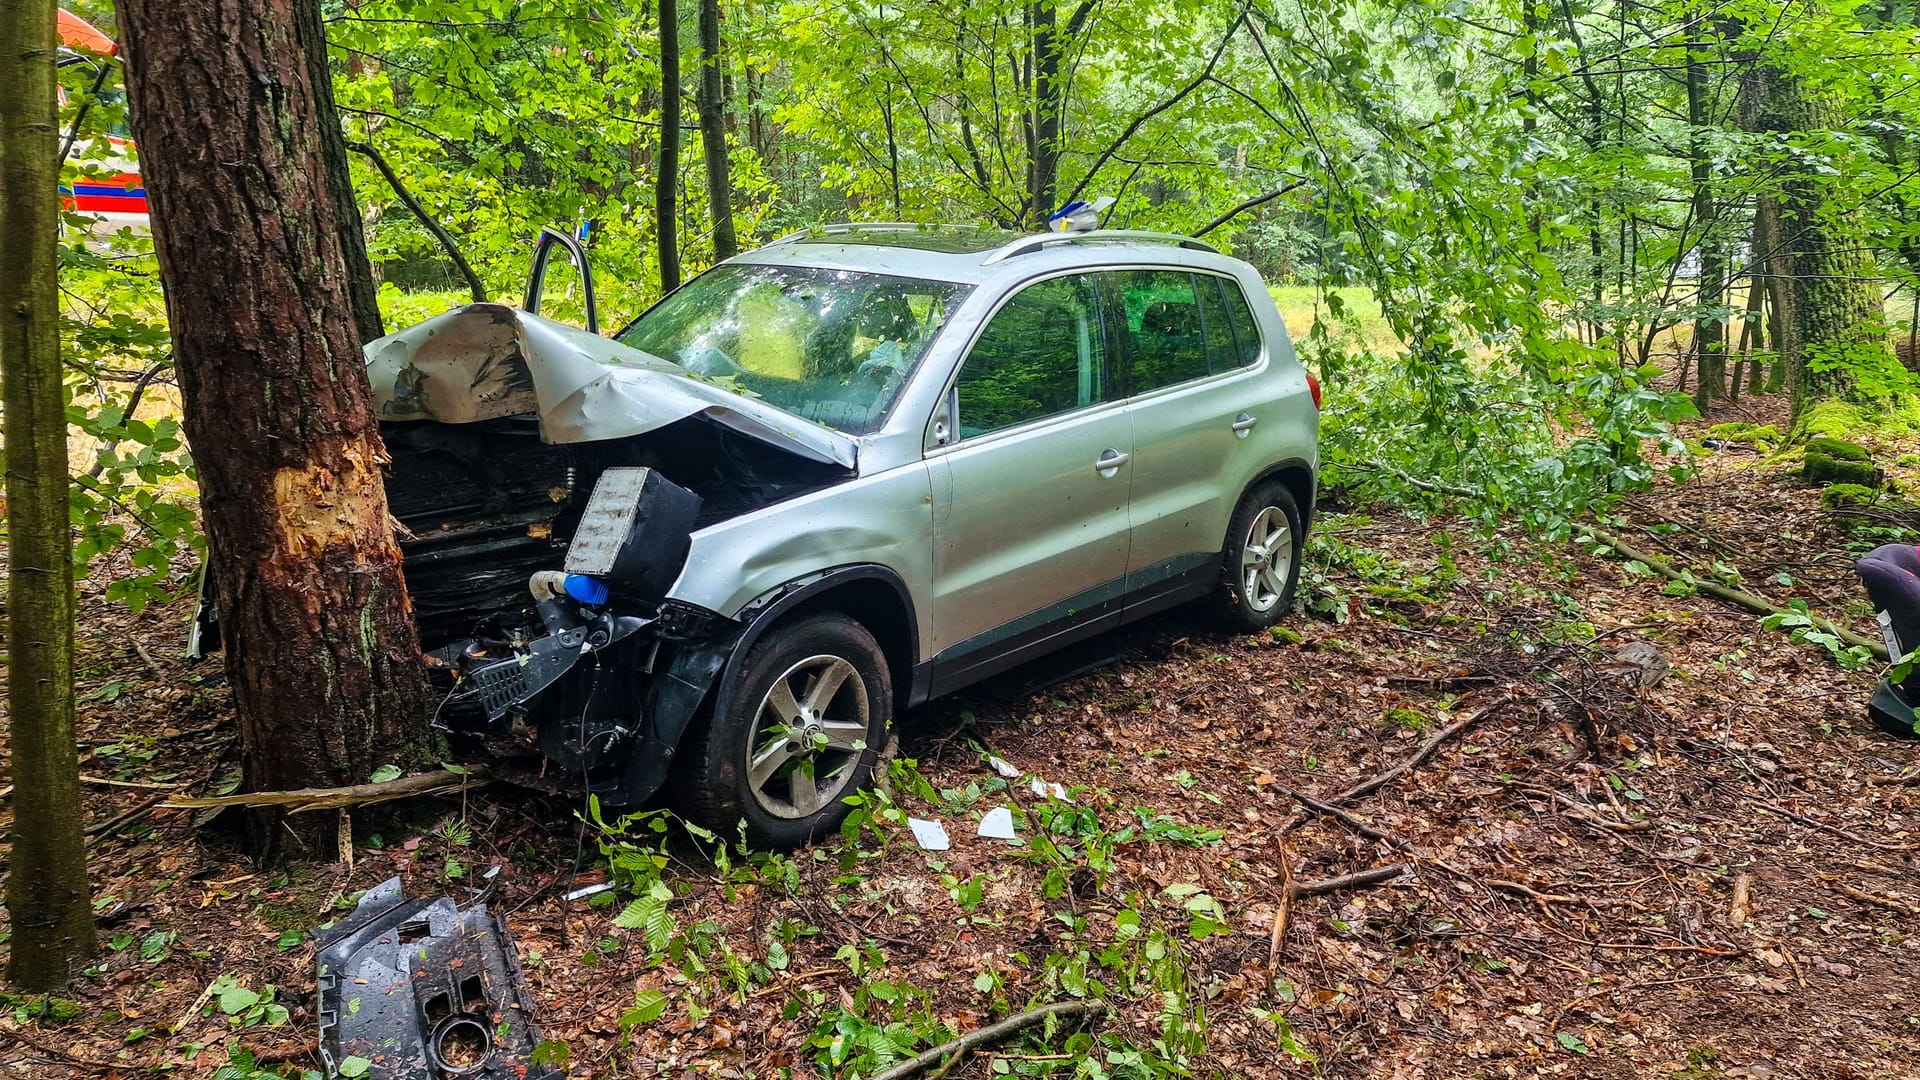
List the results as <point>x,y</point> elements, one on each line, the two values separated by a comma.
<point>825,481</point>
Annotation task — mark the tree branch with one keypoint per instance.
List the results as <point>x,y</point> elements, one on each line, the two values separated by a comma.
<point>1141,120</point>
<point>992,1033</point>
<point>447,243</point>
<point>1243,207</point>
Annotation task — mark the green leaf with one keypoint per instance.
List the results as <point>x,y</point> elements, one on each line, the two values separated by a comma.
<point>385,774</point>
<point>354,1065</point>
<point>648,1006</point>
<point>1571,1041</point>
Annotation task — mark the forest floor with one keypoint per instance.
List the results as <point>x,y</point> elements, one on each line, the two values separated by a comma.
<point>1608,873</point>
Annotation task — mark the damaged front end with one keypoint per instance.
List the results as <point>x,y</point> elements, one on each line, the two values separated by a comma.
<point>547,483</point>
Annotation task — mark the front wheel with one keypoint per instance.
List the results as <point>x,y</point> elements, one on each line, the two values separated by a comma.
<point>802,730</point>
<point>1261,563</point>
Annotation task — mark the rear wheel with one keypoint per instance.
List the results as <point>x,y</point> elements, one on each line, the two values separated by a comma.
<point>1261,564</point>
<point>802,730</point>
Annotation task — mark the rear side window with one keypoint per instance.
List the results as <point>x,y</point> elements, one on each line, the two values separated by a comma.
<point>1042,354</point>
<point>1222,353</point>
<point>1165,333</point>
<point>1246,332</point>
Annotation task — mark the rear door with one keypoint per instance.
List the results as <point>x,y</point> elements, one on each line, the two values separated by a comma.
<point>1191,352</point>
<point>1030,518</point>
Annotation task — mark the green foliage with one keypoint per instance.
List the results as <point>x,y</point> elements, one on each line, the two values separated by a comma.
<point>1803,628</point>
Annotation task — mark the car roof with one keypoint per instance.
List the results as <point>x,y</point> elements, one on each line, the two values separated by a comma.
<point>972,255</point>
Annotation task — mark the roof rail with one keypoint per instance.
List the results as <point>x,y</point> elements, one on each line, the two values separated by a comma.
<point>1095,236</point>
<point>844,227</point>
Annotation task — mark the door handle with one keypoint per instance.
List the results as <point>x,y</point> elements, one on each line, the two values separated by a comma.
<point>1244,423</point>
<point>1110,461</point>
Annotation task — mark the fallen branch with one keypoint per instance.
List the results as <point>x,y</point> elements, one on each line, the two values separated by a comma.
<point>1834,829</point>
<point>1421,755</point>
<point>1345,818</point>
<point>106,827</point>
<point>1742,907</point>
<point>1876,900</point>
<point>304,799</point>
<point>1362,879</point>
<point>990,1034</point>
<point>1544,898</point>
<point>439,231</point>
<point>62,1055</point>
<point>1283,911</point>
<point>1737,597</point>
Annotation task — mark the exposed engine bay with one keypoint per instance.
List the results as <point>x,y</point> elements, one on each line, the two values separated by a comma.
<point>546,483</point>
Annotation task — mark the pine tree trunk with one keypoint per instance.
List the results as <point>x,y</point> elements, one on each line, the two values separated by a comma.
<point>48,899</point>
<point>314,618</point>
<point>666,180</point>
<point>712,103</point>
<point>1835,323</point>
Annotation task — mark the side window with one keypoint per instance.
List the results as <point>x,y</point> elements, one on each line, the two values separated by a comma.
<point>1042,354</point>
<point>1166,338</point>
<point>1246,332</point>
<point>1221,353</point>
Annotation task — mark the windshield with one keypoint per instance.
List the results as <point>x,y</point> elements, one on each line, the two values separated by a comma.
<point>834,346</point>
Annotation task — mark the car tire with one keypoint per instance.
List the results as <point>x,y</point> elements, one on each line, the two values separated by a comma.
<point>802,727</point>
<point>1265,530</point>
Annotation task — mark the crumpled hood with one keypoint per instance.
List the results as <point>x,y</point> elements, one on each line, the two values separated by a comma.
<point>484,361</point>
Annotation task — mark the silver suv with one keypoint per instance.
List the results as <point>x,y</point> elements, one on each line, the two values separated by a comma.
<point>826,481</point>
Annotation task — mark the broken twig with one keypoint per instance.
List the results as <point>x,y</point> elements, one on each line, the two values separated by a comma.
<point>1421,755</point>
<point>305,799</point>
<point>992,1033</point>
<point>1362,879</point>
<point>1283,911</point>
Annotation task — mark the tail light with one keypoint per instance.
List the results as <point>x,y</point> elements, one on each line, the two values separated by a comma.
<point>1313,385</point>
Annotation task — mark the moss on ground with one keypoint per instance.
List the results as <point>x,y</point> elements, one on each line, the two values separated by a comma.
<point>1845,419</point>
<point>1837,448</point>
<point>1822,469</point>
<point>1843,495</point>
<point>1741,432</point>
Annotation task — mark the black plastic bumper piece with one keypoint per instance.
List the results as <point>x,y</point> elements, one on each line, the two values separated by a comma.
<point>422,990</point>
<point>1892,713</point>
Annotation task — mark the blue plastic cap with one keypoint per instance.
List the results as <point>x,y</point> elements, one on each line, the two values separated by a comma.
<point>590,591</point>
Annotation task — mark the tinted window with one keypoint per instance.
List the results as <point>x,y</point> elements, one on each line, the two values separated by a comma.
<point>1246,332</point>
<point>1166,337</point>
<point>1222,355</point>
<point>1042,354</point>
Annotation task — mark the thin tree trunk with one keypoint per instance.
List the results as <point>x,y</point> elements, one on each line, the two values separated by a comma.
<point>310,34</point>
<point>320,647</point>
<point>1770,263</point>
<point>1043,169</point>
<point>1709,331</point>
<point>666,180</point>
<point>1753,330</point>
<point>48,899</point>
<point>712,104</point>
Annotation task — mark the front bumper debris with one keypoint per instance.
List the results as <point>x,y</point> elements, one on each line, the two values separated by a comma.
<point>423,990</point>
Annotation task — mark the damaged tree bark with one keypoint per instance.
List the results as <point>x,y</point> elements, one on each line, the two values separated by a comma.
<point>314,617</point>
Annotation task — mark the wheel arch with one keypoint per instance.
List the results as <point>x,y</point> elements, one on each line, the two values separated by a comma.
<point>1298,476</point>
<point>875,596</point>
